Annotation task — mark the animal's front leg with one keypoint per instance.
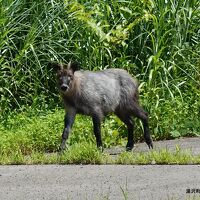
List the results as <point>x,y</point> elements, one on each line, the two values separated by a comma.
<point>68,121</point>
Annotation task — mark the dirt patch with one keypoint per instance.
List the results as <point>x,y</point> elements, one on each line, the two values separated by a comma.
<point>192,144</point>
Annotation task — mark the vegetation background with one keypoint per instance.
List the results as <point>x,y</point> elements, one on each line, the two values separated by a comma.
<point>158,41</point>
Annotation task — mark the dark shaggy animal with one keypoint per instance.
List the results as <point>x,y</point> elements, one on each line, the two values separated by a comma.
<point>97,94</point>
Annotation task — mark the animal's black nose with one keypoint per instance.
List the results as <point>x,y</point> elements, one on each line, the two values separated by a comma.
<point>64,87</point>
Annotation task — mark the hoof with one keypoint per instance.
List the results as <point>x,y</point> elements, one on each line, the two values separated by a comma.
<point>150,145</point>
<point>129,148</point>
<point>100,148</point>
<point>149,142</point>
<point>62,149</point>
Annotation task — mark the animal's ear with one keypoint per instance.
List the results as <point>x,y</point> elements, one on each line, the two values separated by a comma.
<point>74,66</point>
<point>57,66</point>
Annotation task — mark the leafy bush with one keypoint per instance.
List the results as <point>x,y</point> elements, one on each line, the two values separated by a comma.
<point>26,133</point>
<point>157,41</point>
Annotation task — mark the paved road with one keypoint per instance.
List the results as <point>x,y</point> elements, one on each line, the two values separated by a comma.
<point>100,182</point>
<point>191,144</point>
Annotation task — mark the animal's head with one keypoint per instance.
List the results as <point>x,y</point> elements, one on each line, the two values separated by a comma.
<point>65,75</point>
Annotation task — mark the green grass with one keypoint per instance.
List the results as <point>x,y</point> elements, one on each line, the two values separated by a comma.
<point>164,156</point>
<point>31,131</point>
<point>34,138</point>
<point>157,41</point>
<point>85,153</point>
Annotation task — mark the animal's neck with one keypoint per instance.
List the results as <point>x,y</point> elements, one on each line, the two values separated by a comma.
<point>74,89</point>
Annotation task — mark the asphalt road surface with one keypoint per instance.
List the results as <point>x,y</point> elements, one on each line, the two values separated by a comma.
<point>109,182</point>
<point>105,182</point>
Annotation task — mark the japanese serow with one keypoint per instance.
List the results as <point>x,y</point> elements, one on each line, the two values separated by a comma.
<point>98,94</point>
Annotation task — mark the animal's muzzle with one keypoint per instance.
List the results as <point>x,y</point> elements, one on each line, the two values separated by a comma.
<point>64,87</point>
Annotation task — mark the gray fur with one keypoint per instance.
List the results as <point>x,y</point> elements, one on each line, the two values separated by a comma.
<point>98,94</point>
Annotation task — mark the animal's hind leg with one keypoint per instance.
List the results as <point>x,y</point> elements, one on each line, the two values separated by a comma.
<point>97,130</point>
<point>141,114</point>
<point>130,125</point>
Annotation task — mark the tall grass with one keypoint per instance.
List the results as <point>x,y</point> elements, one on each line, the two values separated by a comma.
<point>156,40</point>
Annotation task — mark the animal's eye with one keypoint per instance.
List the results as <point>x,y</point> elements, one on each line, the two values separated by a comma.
<point>70,76</point>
